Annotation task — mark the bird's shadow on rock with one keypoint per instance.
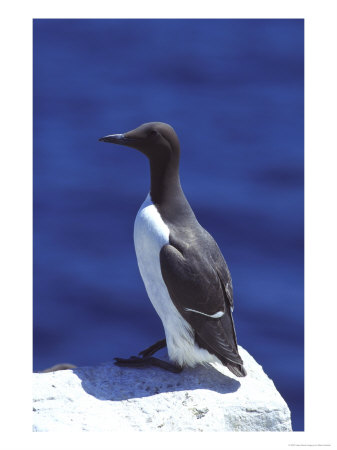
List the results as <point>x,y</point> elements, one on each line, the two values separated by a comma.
<point>108,382</point>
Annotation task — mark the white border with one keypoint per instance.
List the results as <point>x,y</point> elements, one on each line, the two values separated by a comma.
<point>320,214</point>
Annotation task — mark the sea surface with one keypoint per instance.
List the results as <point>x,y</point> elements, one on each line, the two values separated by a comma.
<point>234,92</point>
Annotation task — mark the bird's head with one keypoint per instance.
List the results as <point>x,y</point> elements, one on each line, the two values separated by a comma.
<point>156,140</point>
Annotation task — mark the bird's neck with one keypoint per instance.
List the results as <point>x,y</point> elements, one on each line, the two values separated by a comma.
<point>166,191</point>
<point>165,181</point>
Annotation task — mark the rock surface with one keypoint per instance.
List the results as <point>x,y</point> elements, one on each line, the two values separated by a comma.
<point>109,398</point>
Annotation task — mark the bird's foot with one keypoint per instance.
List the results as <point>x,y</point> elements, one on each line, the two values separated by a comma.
<point>147,361</point>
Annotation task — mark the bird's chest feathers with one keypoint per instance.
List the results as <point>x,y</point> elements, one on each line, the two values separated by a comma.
<point>150,234</point>
<point>150,231</point>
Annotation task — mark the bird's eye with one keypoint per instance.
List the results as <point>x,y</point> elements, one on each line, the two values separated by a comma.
<point>153,133</point>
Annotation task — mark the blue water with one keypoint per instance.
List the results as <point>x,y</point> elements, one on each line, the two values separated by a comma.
<point>233,90</point>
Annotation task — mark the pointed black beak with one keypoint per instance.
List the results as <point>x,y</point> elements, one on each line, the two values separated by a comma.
<point>114,139</point>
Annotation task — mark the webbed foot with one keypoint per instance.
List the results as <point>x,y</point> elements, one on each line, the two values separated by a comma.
<point>147,361</point>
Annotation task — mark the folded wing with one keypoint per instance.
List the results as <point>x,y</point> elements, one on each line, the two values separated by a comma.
<point>201,289</point>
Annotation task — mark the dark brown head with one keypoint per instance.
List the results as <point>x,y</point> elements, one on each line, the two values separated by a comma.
<point>157,140</point>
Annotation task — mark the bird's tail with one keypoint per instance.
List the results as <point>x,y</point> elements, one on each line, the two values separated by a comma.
<point>237,369</point>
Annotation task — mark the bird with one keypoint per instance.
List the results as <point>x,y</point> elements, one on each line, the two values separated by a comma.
<point>184,272</point>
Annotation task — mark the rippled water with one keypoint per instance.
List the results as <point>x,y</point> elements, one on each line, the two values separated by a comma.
<point>233,90</point>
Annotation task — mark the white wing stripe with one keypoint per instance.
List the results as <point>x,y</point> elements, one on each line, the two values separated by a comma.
<point>214,316</point>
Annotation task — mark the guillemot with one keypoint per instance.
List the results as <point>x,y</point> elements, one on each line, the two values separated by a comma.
<point>184,272</point>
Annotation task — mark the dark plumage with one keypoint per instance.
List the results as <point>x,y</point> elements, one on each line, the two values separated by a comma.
<point>191,271</point>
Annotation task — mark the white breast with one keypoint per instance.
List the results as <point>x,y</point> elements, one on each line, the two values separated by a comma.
<point>150,235</point>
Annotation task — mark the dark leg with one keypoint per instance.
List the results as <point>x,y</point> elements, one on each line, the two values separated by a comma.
<point>148,360</point>
<point>153,349</point>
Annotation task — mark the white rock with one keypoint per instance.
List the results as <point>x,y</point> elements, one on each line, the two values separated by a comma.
<point>110,398</point>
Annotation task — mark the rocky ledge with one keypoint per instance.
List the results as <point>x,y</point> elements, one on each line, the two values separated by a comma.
<point>109,398</point>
